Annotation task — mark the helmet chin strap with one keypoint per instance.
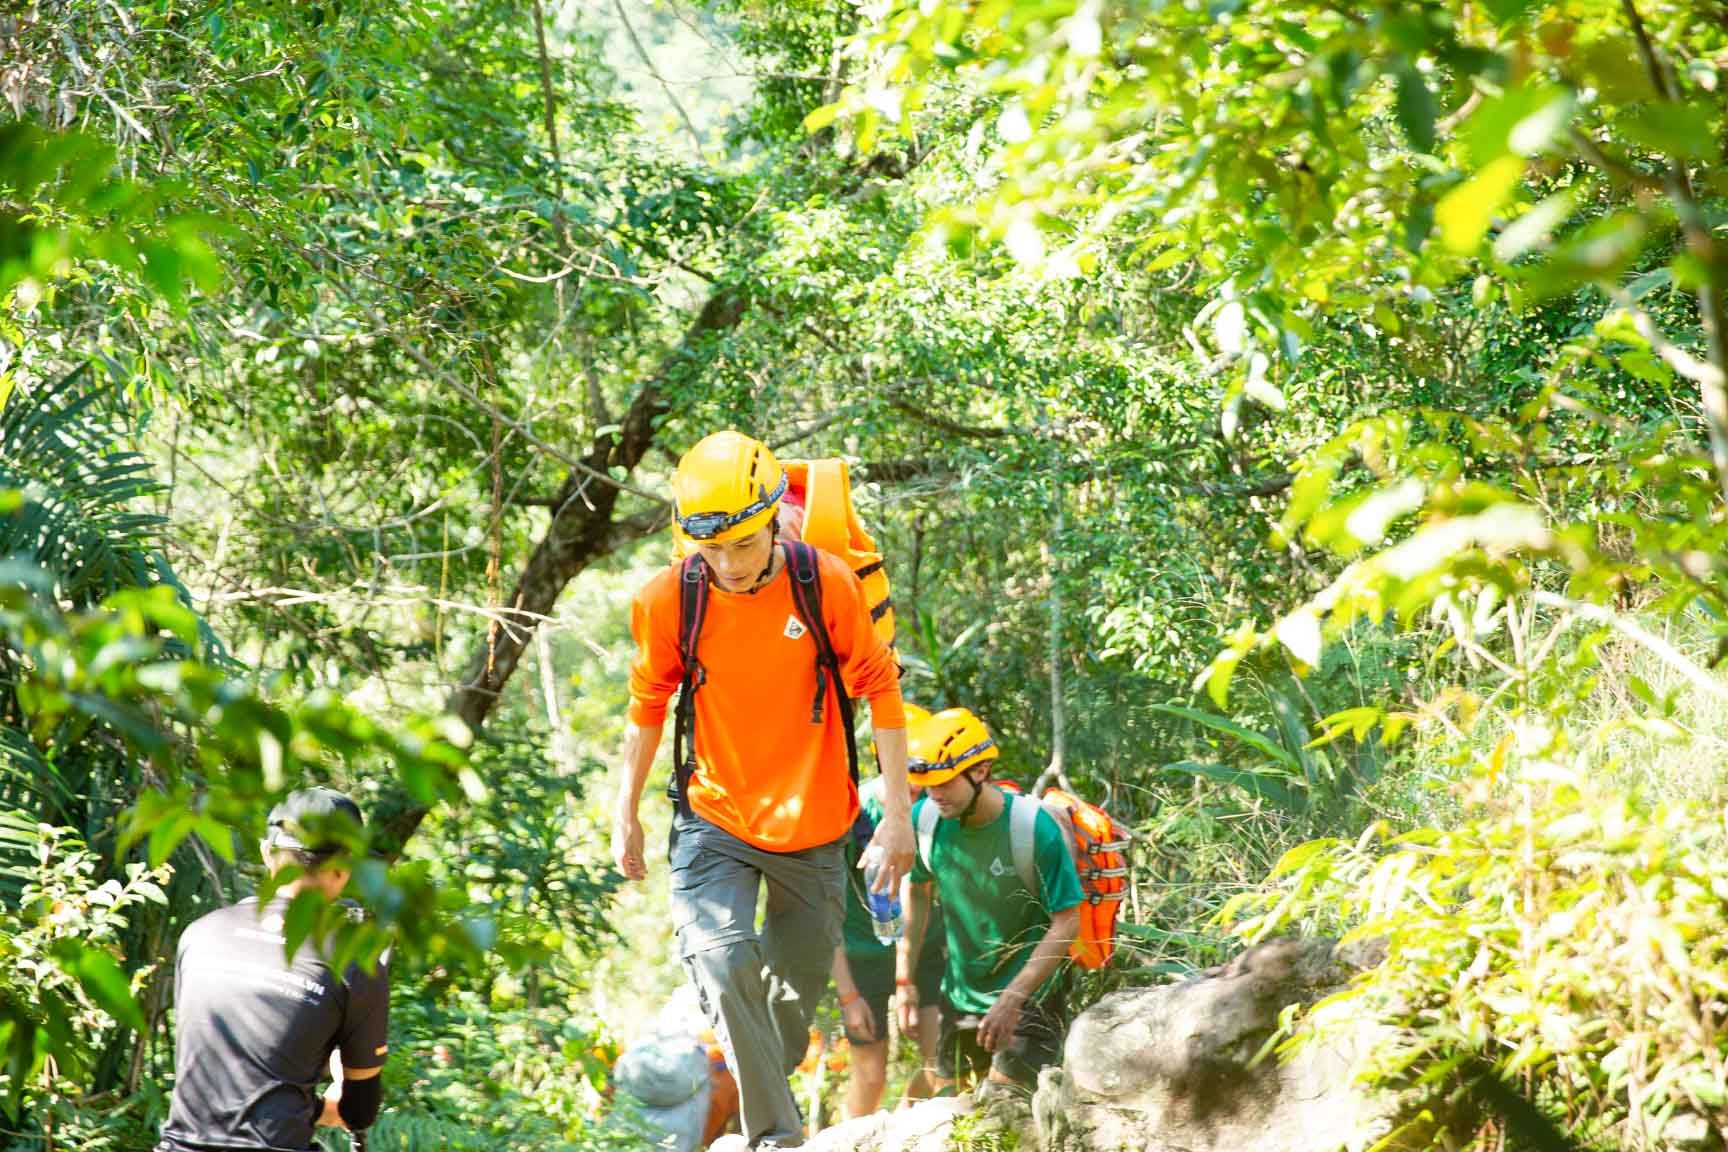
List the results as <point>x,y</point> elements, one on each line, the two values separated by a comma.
<point>977,791</point>
<point>768,568</point>
<point>767,572</point>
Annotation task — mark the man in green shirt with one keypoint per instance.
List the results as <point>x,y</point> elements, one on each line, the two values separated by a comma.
<point>1012,905</point>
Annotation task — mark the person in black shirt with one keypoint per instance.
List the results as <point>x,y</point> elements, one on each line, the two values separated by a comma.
<point>254,1031</point>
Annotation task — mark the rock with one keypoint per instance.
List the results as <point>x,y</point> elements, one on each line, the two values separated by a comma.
<point>1689,1131</point>
<point>1172,1069</point>
<point>1001,1108</point>
<point>924,1127</point>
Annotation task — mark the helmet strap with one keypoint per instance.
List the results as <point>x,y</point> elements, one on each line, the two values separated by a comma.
<point>977,791</point>
<point>763,576</point>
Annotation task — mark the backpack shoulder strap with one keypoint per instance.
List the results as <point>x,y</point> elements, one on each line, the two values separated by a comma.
<point>1023,839</point>
<point>926,833</point>
<point>692,610</point>
<point>692,606</point>
<point>806,567</point>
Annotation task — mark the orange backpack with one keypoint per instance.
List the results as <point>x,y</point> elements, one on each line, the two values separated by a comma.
<point>1100,848</point>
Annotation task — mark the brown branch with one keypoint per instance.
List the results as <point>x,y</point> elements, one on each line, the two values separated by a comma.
<point>648,62</point>
<point>1619,169</point>
<point>1713,389</point>
<point>1268,486</point>
<point>900,403</point>
<point>582,531</point>
<point>549,106</point>
<point>902,471</point>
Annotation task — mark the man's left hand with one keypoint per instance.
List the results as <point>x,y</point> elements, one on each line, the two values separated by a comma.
<point>997,1027</point>
<point>328,1115</point>
<point>894,840</point>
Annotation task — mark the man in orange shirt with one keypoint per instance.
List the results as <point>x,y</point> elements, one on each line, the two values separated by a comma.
<point>761,774</point>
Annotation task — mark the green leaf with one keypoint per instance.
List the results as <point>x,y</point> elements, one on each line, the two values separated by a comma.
<point>1465,213</point>
<point>1522,122</point>
<point>301,920</point>
<point>1682,131</point>
<point>102,979</point>
<point>1506,11</point>
<point>1219,673</point>
<point>1301,854</point>
<point>1533,229</point>
<point>162,269</point>
<point>1283,791</point>
<point>1415,109</point>
<point>1267,746</point>
<point>820,118</point>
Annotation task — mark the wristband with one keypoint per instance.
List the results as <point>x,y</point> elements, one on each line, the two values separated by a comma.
<point>905,983</point>
<point>852,999</point>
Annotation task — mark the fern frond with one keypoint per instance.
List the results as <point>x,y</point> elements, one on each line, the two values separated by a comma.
<point>63,449</point>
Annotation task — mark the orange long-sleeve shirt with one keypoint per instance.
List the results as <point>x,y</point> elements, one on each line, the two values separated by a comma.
<point>764,772</point>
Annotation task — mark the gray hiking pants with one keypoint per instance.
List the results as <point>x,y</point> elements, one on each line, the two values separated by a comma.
<point>759,990</point>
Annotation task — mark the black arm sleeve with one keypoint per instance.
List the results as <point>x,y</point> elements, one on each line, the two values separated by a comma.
<point>363,1039</point>
<point>358,1104</point>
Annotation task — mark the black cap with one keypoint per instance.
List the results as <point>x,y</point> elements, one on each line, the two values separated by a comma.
<point>306,820</point>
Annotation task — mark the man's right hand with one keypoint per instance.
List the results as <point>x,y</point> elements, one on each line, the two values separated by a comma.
<point>860,1021</point>
<point>627,846</point>
<point>906,1008</point>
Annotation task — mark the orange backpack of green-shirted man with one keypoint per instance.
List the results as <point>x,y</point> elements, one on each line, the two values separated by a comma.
<point>1100,848</point>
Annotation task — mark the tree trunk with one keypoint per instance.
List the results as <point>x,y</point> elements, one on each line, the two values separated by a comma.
<point>584,529</point>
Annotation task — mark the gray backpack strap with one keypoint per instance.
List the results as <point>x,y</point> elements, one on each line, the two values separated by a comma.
<point>871,789</point>
<point>927,818</point>
<point>1023,838</point>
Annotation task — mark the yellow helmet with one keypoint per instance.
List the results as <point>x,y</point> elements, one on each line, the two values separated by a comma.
<point>944,745</point>
<point>726,487</point>
<point>914,717</point>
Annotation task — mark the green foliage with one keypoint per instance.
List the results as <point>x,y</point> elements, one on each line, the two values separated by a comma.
<point>469,1075</point>
<point>213,755</point>
<point>62,204</point>
<point>63,992</point>
<point>59,451</point>
<point>1360,346</point>
<point>1565,934</point>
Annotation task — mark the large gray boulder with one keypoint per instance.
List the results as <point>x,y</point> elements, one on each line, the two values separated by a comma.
<point>1173,1069</point>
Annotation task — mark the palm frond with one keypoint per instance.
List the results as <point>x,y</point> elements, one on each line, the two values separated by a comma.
<point>62,447</point>
<point>19,836</point>
<point>24,771</point>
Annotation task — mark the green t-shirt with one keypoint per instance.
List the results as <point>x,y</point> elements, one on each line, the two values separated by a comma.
<point>859,937</point>
<point>993,921</point>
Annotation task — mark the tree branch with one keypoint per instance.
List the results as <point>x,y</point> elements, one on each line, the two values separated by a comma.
<point>1713,386</point>
<point>648,62</point>
<point>900,403</point>
<point>582,531</point>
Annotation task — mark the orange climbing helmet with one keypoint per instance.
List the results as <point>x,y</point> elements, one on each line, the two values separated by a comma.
<point>944,745</point>
<point>726,487</point>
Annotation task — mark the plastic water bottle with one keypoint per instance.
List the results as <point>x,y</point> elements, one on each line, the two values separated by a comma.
<point>885,919</point>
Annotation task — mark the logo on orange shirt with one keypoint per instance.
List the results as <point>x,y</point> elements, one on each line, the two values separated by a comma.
<point>794,628</point>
